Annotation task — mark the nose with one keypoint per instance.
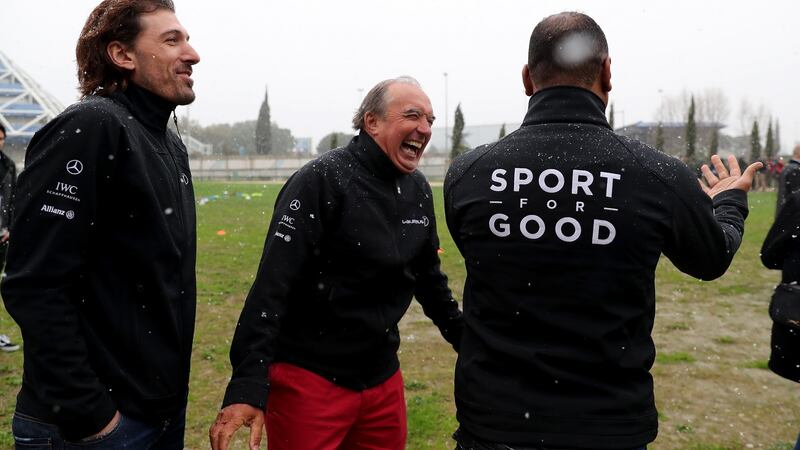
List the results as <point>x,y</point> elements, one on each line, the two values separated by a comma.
<point>190,55</point>
<point>424,126</point>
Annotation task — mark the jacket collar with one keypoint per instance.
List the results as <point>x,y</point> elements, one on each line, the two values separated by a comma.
<point>566,104</point>
<point>373,157</point>
<point>147,107</point>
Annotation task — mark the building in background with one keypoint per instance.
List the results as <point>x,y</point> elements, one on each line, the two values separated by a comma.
<point>25,107</point>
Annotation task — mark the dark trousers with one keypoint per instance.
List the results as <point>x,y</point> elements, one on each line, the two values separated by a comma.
<point>33,434</point>
<point>465,441</point>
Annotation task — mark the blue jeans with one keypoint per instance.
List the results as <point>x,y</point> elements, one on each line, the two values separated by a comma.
<point>797,445</point>
<point>33,434</point>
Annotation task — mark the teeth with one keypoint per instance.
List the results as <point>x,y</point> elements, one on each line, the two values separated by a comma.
<point>415,144</point>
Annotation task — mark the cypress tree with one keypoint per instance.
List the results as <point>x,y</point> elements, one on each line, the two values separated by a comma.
<point>769,145</point>
<point>611,115</point>
<point>691,132</point>
<point>755,143</point>
<point>502,132</point>
<point>714,149</point>
<point>264,128</point>
<point>458,134</point>
<point>660,137</point>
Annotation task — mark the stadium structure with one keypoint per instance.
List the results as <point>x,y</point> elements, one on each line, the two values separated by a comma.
<point>24,106</point>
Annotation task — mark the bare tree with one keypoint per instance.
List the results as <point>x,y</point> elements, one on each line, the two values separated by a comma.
<point>712,106</point>
<point>673,108</point>
<point>749,113</point>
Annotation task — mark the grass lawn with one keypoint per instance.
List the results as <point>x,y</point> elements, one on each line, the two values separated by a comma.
<point>712,387</point>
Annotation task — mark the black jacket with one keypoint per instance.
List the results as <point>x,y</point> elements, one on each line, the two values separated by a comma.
<point>781,250</point>
<point>100,270</point>
<point>561,224</point>
<point>352,239</point>
<point>8,179</point>
<point>789,183</point>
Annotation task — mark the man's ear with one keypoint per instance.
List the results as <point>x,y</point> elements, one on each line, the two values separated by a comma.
<point>370,123</point>
<point>530,88</point>
<point>605,75</point>
<point>120,56</point>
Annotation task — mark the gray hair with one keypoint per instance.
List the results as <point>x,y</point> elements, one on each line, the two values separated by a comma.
<point>377,99</point>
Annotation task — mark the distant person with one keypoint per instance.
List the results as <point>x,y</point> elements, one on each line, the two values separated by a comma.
<point>561,224</point>
<point>352,239</point>
<point>781,251</point>
<point>789,182</point>
<point>8,179</point>
<point>100,274</point>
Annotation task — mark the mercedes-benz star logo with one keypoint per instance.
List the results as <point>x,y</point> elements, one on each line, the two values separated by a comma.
<point>294,205</point>
<point>74,167</point>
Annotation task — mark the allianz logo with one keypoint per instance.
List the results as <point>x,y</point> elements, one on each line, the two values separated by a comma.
<point>423,221</point>
<point>59,212</point>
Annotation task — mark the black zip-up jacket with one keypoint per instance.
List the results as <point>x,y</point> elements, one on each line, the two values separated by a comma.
<point>101,270</point>
<point>781,250</point>
<point>8,179</point>
<point>352,239</point>
<point>561,224</point>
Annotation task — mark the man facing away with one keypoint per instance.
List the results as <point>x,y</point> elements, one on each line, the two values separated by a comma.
<point>561,225</point>
<point>8,179</point>
<point>352,239</point>
<point>781,250</point>
<point>789,181</point>
<point>100,272</point>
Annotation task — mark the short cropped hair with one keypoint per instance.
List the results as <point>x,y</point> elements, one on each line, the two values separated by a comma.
<point>111,20</point>
<point>377,99</point>
<point>566,47</point>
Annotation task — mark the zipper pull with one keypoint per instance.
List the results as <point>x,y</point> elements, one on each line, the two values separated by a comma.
<point>398,187</point>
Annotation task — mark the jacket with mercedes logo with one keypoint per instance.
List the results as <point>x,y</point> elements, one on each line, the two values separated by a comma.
<point>561,225</point>
<point>100,273</point>
<point>352,239</point>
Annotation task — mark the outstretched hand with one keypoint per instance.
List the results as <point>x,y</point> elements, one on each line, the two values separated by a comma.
<point>725,180</point>
<point>230,419</point>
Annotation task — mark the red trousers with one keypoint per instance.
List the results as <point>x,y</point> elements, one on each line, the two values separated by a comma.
<point>307,412</point>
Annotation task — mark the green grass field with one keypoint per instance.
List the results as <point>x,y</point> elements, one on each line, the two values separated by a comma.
<point>712,386</point>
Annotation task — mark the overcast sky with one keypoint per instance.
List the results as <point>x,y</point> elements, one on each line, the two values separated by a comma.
<point>318,57</point>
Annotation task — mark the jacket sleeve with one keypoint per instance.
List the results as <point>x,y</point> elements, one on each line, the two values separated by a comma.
<point>294,234</point>
<point>704,235</point>
<point>54,214</point>
<point>431,289</point>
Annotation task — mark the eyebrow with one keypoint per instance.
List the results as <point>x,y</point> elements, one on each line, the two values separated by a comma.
<point>420,112</point>
<point>174,31</point>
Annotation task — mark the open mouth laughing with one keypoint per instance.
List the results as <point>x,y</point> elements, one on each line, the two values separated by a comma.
<point>412,148</point>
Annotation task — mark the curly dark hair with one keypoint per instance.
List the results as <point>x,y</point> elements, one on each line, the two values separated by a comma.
<point>111,20</point>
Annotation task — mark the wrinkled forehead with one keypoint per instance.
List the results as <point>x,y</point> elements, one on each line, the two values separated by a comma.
<point>405,96</point>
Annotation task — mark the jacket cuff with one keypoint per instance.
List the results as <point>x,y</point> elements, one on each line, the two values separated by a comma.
<point>75,428</point>
<point>734,197</point>
<point>252,393</point>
